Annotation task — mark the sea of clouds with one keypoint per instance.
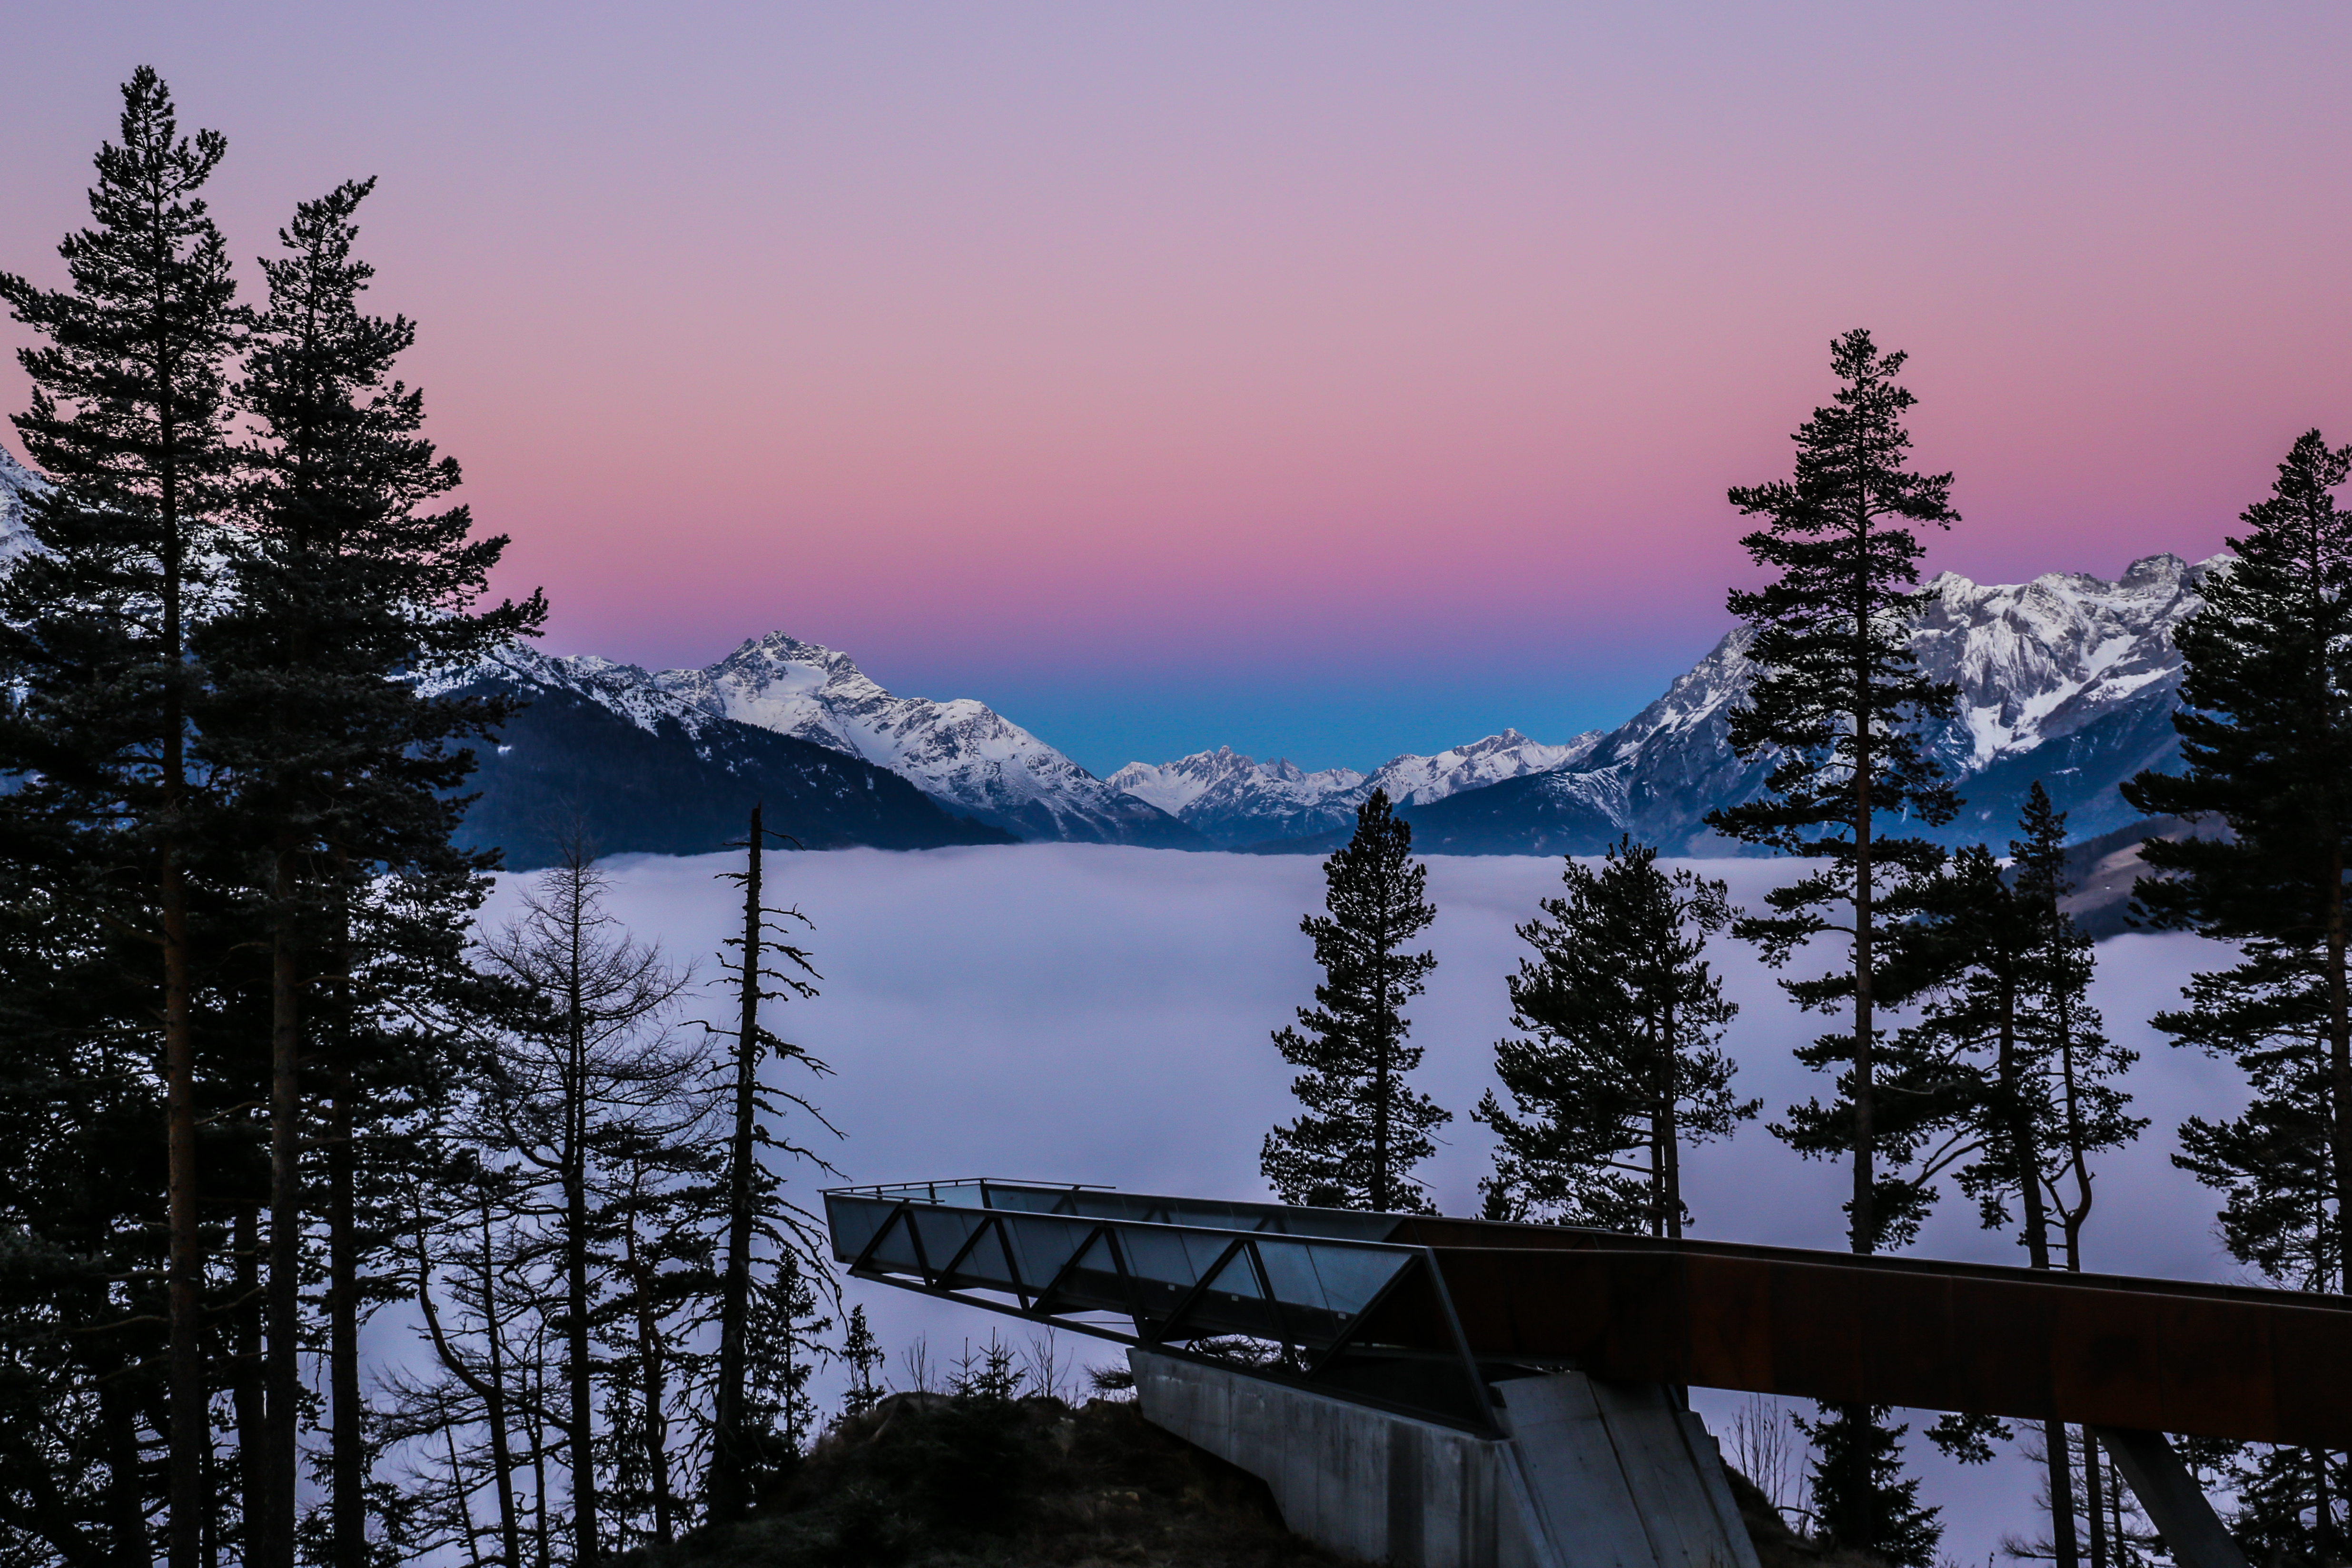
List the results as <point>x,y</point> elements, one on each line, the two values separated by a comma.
<point>1077,1013</point>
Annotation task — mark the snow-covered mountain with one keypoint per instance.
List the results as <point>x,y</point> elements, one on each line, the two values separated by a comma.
<point>960,752</point>
<point>969,758</point>
<point>2070,679</point>
<point>1230,799</point>
<point>600,750</point>
<point>1233,801</point>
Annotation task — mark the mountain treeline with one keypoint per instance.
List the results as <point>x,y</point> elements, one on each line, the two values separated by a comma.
<point>266,1076</point>
<point>1960,1042</point>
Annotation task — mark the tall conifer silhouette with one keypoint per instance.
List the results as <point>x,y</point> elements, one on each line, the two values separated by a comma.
<point>129,418</point>
<point>1617,1066</point>
<point>347,579</point>
<point>1837,694</point>
<point>1364,1128</point>
<point>2265,726</point>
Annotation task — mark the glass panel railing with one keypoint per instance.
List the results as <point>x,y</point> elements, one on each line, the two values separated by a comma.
<point>895,1249</point>
<point>1041,1245</point>
<point>1161,1255</point>
<point>1352,1276</point>
<point>985,1264</point>
<point>852,1221</point>
<point>1313,1286</point>
<point>944,1231</point>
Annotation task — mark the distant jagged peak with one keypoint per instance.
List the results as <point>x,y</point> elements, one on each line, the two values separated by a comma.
<point>1224,773</point>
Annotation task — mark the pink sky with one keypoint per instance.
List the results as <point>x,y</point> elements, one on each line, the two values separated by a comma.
<point>1334,379</point>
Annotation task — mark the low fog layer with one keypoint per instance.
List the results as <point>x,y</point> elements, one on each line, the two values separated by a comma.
<point>1089,1014</point>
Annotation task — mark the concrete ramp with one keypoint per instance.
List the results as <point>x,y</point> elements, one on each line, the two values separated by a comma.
<point>1586,1475</point>
<point>1622,1476</point>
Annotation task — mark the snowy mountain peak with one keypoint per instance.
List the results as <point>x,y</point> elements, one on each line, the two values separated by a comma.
<point>960,752</point>
<point>1175,786</point>
<point>2035,661</point>
<point>1235,799</point>
<point>2069,679</point>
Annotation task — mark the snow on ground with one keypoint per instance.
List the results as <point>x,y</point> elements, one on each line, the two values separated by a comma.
<point>1071,1012</point>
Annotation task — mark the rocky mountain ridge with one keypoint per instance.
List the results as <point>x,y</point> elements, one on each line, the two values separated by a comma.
<point>1233,800</point>
<point>963,755</point>
<point>2070,679</point>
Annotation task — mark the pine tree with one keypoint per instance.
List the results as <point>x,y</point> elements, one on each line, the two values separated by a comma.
<point>864,1355</point>
<point>2265,726</point>
<point>1364,1129</point>
<point>344,585</point>
<point>129,420</point>
<point>2081,1095</point>
<point>784,1347</point>
<point>767,966</point>
<point>1618,1065</point>
<point>1858,1502</point>
<point>1836,692</point>
<point>1834,704</point>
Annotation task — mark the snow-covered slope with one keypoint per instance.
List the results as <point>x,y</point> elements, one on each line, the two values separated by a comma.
<point>1233,801</point>
<point>18,485</point>
<point>968,757</point>
<point>2070,679</point>
<point>1419,780</point>
<point>962,752</point>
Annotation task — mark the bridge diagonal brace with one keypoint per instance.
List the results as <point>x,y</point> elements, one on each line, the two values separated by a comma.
<point>2175,1504</point>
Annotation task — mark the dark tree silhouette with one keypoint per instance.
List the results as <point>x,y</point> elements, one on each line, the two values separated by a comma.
<point>1617,1065</point>
<point>129,415</point>
<point>2265,726</point>
<point>1364,1128</point>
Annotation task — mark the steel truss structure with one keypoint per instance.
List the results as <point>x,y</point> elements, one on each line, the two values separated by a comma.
<point>1318,1298</point>
<point>1418,1315</point>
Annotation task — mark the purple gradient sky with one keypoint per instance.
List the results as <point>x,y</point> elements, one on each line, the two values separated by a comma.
<point>1332,380</point>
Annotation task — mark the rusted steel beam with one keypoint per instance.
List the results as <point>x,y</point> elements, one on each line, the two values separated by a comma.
<point>2267,1366</point>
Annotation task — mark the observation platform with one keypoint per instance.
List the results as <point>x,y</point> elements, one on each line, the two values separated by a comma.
<point>1454,1326</point>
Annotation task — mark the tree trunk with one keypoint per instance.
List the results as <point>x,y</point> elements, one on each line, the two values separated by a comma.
<point>1669,1135</point>
<point>2339,1054</point>
<point>494,1399</point>
<point>1381,1029</point>
<point>545,1543</point>
<point>348,1439</point>
<point>2093,1504</point>
<point>2023,1150</point>
<point>1862,1232</point>
<point>125,1500</point>
<point>459,1496</point>
<point>277,1538</point>
<point>728,1500</point>
<point>652,1376</point>
<point>251,1400</point>
<point>580,1434</point>
<point>191,1433</point>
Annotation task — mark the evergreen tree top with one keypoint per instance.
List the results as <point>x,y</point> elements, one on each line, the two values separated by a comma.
<point>2265,722</point>
<point>134,362</point>
<point>1839,692</point>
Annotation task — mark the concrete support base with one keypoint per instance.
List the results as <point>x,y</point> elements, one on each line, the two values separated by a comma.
<point>1588,1474</point>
